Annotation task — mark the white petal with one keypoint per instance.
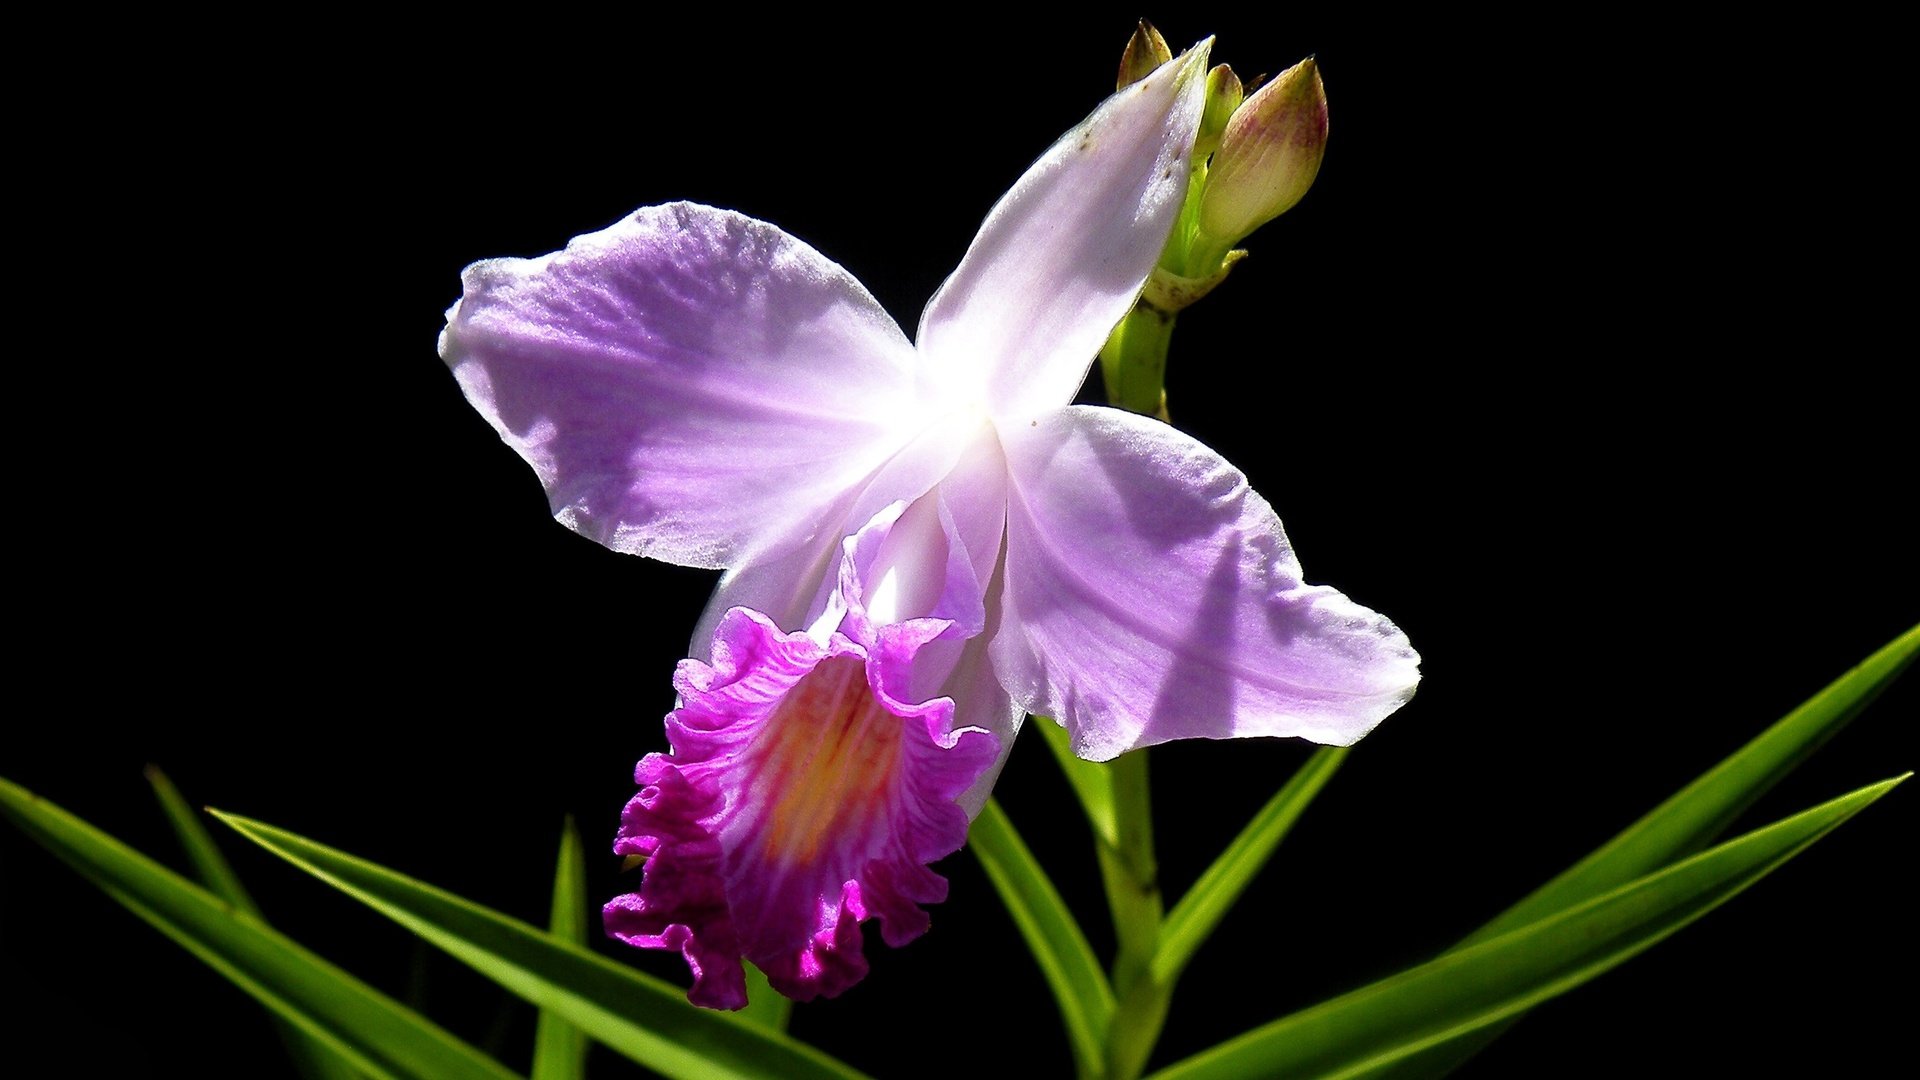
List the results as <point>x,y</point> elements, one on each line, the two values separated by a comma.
<point>789,575</point>
<point>1152,595</point>
<point>1063,254</point>
<point>689,384</point>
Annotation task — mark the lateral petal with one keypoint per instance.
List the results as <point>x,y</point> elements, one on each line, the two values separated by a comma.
<point>688,383</point>
<point>1152,595</point>
<point>1061,257</point>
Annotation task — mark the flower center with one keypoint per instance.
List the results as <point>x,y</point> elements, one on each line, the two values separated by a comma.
<point>828,754</point>
<point>910,571</point>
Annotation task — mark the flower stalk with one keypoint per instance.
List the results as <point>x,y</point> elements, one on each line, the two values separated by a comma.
<point>1119,808</point>
<point>1134,360</point>
<point>1132,880</point>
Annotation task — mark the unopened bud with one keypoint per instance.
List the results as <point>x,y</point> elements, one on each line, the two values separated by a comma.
<point>1268,156</point>
<point>1146,50</point>
<point>1223,97</point>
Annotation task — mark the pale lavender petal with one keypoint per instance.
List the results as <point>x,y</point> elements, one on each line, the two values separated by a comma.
<point>904,566</point>
<point>931,557</point>
<point>801,798</point>
<point>1061,257</point>
<point>688,384</point>
<point>953,616</point>
<point>789,581</point>
<point>973,497</point>
<point>973,500</point>
<point>979,701</point>
<point>936,558</point>
<point>1151,595</point>
<point>951,661</point>
<point>789,577</point>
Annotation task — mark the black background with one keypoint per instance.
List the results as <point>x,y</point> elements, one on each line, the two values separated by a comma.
<point>1578,378</point>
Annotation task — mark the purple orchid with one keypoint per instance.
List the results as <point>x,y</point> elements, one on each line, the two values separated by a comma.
<point>698,386</point>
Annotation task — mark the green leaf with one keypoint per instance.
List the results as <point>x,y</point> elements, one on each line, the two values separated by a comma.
<point>1485,983</point>
<point>1703,809</point>
<point>765,1006</point>
<point>381,1037</point>
<point>312,1058</point>
<point>644,1018</point>
<point>208,864</point>
<point>1201,909</point>
<point>1091,781</point>
<point>1066,960</point>
<point>559,1048</point>
<point>1685,822</point>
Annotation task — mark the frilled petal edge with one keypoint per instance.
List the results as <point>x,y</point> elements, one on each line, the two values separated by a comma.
<point>1151,594</point>
<point>801,798</point>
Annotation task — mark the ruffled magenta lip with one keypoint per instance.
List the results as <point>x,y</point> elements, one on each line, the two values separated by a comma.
<point>801,798</point>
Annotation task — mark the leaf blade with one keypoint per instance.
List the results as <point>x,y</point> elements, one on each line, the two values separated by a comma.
<point>560,1048</point>
<point>1052,935</point>
<point>1480,985</point>
<point>377,1035</point>
<point>645,1019</point>
<point>1690,818</point>
<point>208,863</point>
<point>765,1006</point>
<point>1203,906</point>
<point>315,1059</point>
<point>1684,822</point>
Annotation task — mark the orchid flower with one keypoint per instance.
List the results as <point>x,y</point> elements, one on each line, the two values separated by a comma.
<point>924,541</point>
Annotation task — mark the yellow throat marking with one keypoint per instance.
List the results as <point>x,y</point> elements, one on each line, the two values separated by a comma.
<point>827,757</point>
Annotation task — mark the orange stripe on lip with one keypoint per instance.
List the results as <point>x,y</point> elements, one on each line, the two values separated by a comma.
<point>829,755</point>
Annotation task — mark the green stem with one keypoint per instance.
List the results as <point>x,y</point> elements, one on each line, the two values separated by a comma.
<point>1136,907</point>
<point>1133,894</point>
<point>1134,360</point>
<point>1135,1029</point>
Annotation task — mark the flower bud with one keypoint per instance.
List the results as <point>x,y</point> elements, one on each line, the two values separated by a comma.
<point>1146,50</point>
<point>1224,94</point>
<point>1268,156</point>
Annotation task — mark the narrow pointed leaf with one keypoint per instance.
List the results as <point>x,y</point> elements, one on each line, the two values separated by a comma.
<point>559,1048</point>
<point>209,865</point>
<point>311,1057</point>
<point>378,1035</point>
<point>1699,812</point>
<point>1685,822</point>
<point>1485,983</point>
<point>765,1006</point>
<point>1052,935</point>
<point>1201,909</point>
<point>1089,779</point>
<point>644,1018</point>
